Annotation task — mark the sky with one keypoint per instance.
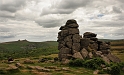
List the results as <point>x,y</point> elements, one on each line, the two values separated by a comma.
<point>40,20</point>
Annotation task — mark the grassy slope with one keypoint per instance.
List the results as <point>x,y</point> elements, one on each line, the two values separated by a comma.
<point>19,49</point>
<point>20,45</point>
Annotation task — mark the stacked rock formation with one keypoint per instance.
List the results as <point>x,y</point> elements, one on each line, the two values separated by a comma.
<point>69,40</point>
<point>72,45</point>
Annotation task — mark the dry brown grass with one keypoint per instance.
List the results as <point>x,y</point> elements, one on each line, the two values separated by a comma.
<point>117,47</point>
<point>118,54</point>
<point>117,43</point>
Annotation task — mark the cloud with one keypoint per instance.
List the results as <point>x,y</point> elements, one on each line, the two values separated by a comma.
<point>117,10</point>
<point>51,20</point>
<point>109,23</point>
<point>73,4</point>
<point>64,7</point>
<point>15,30</point>
<point>5,14</point>
<point>50,10</point>
<point>11,5</point>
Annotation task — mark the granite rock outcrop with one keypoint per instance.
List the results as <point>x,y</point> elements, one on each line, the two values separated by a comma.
<point>72,45</point>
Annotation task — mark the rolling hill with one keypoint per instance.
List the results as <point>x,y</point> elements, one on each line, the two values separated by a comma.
<point>24,48</point>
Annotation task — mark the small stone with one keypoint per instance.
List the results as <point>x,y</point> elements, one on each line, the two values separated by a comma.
<point>123,69</point>
<point>65,69</point>
<point>96,72</point>
<point>105,59</point>
<point>51,67</point>
<point>90,55</point>
<point>30,67</point>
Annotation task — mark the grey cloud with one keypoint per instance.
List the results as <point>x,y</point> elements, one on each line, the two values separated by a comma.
<point>108,23</point>
<point>119,31</point>
<point>8,36</point>
<point>117,10</point>
<point>65,7</point>
<point>12,5</point>
<point>120,16</point>
<point>5,14</point>
<point>51,10</point>
<point>73,4</point>
<point>2,29</point>
<point>48,23</point>
<point>122,1</point>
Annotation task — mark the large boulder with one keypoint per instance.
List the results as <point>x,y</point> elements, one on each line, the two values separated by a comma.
<point>84,42</point>
<point>113,58</point>
<point>89,35</point>
<point>64,33</point>
<point>93,45</point>
<point>104,58</point>
<point>73,31</point>
<point>63,28</point>
<point>73,25</point>
<point>84,53</point>
<point>76,47</point>
<point>68,38</point>
<point>65,50</point>
<point>76,38</point>
<point>77,55</point>
<point>69,44</point>
<point>71,21</point>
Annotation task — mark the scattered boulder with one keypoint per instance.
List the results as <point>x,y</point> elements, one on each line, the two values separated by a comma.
<point>51,67</point>
<point>56,59</point>
<point>30,67</point>
<point>28,61</point>
<point>41,69</point>
<point>65,69</point>
<point>19,65</point>
<point>65,61</point>
<point>12,68</point>
<point>10,59</point>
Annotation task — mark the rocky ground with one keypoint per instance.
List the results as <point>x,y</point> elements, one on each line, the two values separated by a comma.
<point>39,66</point>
